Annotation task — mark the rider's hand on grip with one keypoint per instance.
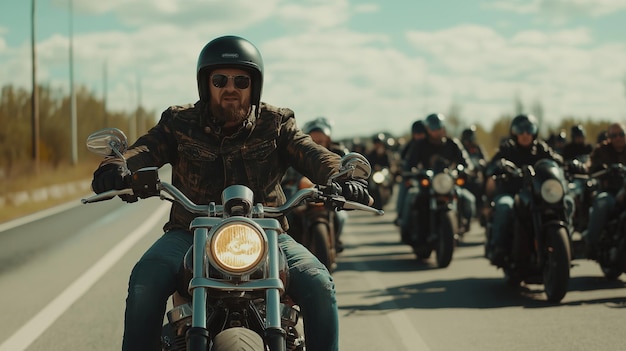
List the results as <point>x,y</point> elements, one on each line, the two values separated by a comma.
<point>354,190</point>
<point>110,176</point>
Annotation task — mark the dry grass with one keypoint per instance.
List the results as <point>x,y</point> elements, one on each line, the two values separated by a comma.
<point>29,180</point>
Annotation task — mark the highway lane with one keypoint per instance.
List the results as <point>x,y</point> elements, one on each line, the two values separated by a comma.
<point>387,299</point>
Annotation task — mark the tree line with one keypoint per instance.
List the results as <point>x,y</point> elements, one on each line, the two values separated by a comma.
<point>55,126</point>
<point>92,114</point>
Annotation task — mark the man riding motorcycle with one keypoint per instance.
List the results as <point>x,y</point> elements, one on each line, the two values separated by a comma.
<point>478,157</point>
<point>227,137</point>
<point>438,148</point>
<point>522,148</point>
<point>611,151</point>
<point>577,148</point>
<point>320,130</point>
<point>418,132</point>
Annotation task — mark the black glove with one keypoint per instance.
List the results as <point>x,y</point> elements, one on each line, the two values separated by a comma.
<point>354,190</point>
<point>110,176</point>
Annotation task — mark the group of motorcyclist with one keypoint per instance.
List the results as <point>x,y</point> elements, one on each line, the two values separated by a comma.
<point>230,137</point>
<point>594,205</point>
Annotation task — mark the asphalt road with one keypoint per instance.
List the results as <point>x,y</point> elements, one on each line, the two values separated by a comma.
<point>63,280</point>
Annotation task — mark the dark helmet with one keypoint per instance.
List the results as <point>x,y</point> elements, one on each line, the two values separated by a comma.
<point>561,137</point>
<point>524,124</point>
<point>379,138</point>
<point>418,127</point>
<point>320,123</point>
<point>434,121</point>
<point>468,134</point>
<point>230,51</point>
<point>578,131</point>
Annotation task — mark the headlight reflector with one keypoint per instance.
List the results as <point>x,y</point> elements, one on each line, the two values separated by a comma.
<point>552,191</point>
<point>378,177</point>
<point>237,248</point>
<point>443,183</point>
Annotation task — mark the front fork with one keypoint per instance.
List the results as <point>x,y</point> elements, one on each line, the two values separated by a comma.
<point>198,335</point>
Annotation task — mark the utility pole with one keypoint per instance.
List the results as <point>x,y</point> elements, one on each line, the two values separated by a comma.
<point>72,92</point>
<point>34,95</point>
<point>104,94</point>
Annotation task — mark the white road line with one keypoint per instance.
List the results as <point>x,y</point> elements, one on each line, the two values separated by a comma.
<point>30,331</point>
<point>39,215</point>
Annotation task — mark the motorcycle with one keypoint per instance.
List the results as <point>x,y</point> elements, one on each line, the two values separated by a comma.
<point>541,247</point>
<point>232,293</point>
<point>611,250</point>
<point>381,187</point>
<point>313,224</point>
<point>581,186</point>
<point>432,221</point>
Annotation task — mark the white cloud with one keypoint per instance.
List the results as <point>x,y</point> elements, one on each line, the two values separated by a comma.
<point>565,70</point>
<point>562,9</point>
<point>365,82</point>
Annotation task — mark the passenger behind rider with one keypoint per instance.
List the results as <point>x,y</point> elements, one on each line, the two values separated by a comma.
<point>438,148</point>
<point>609,152</point>
<point>522,148</point>
<point>227,137</point>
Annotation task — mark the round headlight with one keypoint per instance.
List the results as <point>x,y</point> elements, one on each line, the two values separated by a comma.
<point>378,177</point>
<point>237,248</point>
<point>552,191</point>
<point>443,183</point>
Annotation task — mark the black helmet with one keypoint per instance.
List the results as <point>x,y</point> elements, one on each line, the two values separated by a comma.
<point>320,123</point>
<point>230,51</point>
<point>379,138</point>
<point>578,131</point>
<point>434,121</point>
<point>561,137</point>
<point>469,134</point>
<point>524,123</point>
<point>418,127</point>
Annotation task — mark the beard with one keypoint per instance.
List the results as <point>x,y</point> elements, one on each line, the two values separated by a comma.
<point>229,113</point>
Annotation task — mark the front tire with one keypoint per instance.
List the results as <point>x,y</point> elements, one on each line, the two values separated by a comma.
<point>445,245</point>
<point>556,270</point>
<point>238,339</point>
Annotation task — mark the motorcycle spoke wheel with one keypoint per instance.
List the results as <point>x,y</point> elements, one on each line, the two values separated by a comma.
<point>556,270</point>
<point>445,245</point>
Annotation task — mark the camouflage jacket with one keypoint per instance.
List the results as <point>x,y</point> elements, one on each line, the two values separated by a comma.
<point>204,161</point>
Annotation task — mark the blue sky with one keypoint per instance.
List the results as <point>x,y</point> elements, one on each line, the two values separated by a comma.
<point>367,65</point>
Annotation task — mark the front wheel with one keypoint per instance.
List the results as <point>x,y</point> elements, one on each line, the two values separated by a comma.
<point>556,270</point>
<point>445,244</point>
<point>321,245</point>
<point>238,339</point>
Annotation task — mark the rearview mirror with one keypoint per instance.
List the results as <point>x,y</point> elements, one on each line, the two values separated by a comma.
<point>356,166</point>
<point>108,142</point>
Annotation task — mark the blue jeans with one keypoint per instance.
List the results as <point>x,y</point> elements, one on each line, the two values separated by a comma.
<point>153,280</point>
<point>602,206</point>
<point>503,217</point>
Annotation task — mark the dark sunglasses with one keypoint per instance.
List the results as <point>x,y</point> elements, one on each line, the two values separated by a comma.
<point>221,80</point>
<point>525,128</point>
<point>615,135</point>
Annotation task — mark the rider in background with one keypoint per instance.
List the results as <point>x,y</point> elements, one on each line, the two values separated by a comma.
<point>611,151</point>
<point>437,147</point>
<point>577,148</point>
<point>320,130</point>
<point>478,157</point>
<point>522,148</point>
<point>418,132</point>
